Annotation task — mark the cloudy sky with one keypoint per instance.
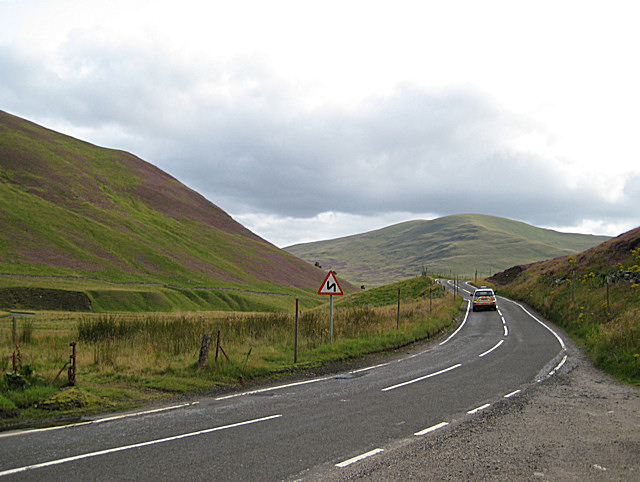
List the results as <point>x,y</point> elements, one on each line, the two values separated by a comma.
<point>309,120</point>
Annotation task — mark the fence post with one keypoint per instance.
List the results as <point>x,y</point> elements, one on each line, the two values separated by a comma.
<point>398,318</point>
<point>204,350</point>
<point>295,348</point>
<point>72,367</point>
<point>430,300</point>
<point>607,280</point>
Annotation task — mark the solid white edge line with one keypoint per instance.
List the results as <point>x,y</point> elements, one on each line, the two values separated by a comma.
<point>476,410</point>
<point>45,429</point>
<point>296,384</point>
<point>97,421</point>
<point>279,387</point>
<point>133,446</point>
<point>559,366</point>
<point>431,429</point>
<point>419,379</point>
<point>539,321</point>
<point>370,368</point>
<point>466,315</point>
<point>509,395</point>
<point>146,412</point>
<point>489,351</point>
<point>358,458</point>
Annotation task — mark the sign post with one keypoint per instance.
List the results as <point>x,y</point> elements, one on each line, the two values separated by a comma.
<point>330,286</point>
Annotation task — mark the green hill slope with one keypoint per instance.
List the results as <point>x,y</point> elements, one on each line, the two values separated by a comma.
<point>458,245</point>
<point>594,295</point>
<point>69,208</point>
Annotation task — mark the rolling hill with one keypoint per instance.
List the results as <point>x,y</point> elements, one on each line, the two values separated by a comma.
<point>463,244</point>
<point>76,215</point>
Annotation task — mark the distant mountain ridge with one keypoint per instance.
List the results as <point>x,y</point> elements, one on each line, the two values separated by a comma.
<point>70,208</point>
<point>461,244</point>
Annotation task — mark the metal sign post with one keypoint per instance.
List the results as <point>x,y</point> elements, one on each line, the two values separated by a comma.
<point>330,286</point>
<point>330,318</point>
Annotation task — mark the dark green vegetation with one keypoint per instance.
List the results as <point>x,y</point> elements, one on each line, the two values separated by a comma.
<point>74,216</point>
<point>127,359</point>
<point>453,245</point>
<point>594,296</point>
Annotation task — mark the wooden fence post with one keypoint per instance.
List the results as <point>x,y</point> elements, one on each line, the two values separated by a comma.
<point>204,350</point>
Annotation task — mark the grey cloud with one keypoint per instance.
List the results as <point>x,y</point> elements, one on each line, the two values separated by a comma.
<point>240,135</point>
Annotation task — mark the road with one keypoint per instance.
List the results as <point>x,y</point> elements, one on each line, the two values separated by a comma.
<point>303,428</point>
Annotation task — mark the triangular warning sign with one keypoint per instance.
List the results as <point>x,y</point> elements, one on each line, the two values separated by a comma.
<point>330,286</point>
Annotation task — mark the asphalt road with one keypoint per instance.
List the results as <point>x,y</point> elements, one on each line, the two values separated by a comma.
<point>303,428</point>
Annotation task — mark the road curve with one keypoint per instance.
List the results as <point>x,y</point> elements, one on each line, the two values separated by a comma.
<point>311,426</point>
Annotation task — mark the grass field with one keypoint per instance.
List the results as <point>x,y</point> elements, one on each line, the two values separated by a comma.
<point>126,358</point>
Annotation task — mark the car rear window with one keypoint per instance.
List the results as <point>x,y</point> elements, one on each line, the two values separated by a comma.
<point>483,293</point>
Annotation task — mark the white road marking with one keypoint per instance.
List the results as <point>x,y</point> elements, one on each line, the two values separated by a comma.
<point>542,323</point>
<point>99,420</point>
<point>506,330</point>
<point>358,458</point>
<point>509,395</point>
<point>376,366</point>
<point>476,410</point>
<point>279,387</point>
<point>489,351</point>
<point>461,325</point>
<point>296,384</point>
<point>559,366</point>
<point>431,429</point>
<point>146,412</point>
<point>133,446</point>
<point>45,429</point>
<point>419,379</point>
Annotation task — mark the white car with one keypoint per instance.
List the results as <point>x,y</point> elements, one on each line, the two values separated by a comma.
<point>484,298</point>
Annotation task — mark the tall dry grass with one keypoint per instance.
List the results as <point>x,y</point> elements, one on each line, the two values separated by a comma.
<point>160,350</point>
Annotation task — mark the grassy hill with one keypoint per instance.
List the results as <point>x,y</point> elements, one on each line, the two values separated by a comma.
<point>594,296</point>
<point>74,216</point>
<point>453,245</point>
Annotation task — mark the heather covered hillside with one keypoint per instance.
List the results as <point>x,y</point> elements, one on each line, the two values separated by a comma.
<point>72,209</point>
<point>594,295</point>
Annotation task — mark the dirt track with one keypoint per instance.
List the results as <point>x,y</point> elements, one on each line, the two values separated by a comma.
<point>577,425</point>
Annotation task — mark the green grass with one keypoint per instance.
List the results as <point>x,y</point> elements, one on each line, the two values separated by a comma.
<point>602,317</point>
<point>72,209</point>
<point>410,290</point>
<point>125,359</point>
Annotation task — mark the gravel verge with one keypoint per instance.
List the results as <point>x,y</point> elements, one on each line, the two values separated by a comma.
<point>578,424</point>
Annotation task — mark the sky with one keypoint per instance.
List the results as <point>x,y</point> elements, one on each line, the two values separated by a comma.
<point>309,120</point>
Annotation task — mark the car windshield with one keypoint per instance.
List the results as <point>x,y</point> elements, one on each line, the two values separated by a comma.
<point>484,293</point>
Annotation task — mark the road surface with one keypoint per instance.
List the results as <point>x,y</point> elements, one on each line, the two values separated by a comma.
<point>306,427</point>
